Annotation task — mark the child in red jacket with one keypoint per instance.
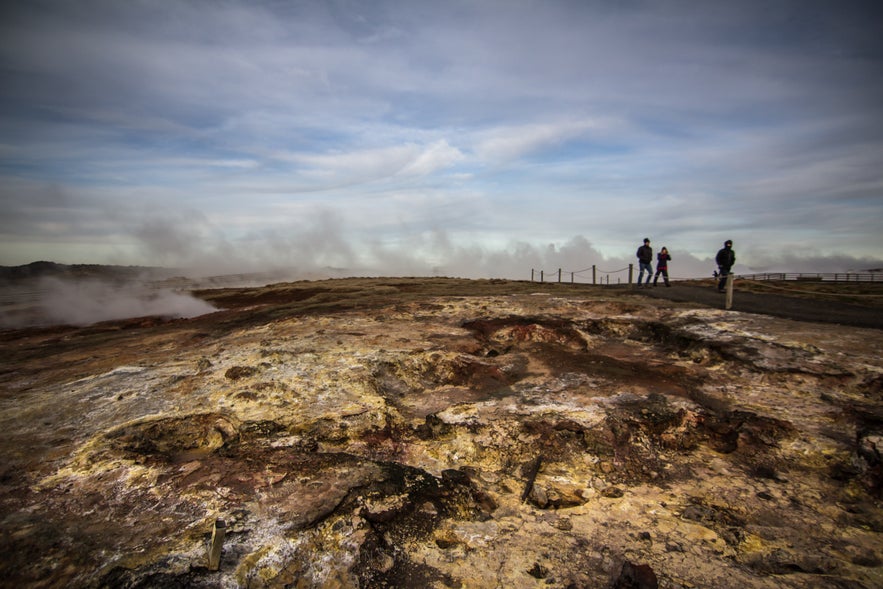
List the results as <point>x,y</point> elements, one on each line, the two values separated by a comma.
<point>662,259</point>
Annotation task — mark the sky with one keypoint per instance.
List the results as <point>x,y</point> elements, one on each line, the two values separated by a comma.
<point>481,138</point>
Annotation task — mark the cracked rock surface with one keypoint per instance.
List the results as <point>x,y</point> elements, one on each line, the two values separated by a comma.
<point>443,433</point>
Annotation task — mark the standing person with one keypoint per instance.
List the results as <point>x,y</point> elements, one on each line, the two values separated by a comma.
<point>662,259</point>
<point>645,257</point>
<point>725,259</point>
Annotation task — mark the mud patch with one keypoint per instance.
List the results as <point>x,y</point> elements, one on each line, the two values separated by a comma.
<point>512,331</point>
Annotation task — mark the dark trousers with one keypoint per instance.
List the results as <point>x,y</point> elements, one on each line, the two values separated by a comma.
<point>664,272</point>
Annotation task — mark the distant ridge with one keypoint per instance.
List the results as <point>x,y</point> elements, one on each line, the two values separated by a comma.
<point>43,269</point>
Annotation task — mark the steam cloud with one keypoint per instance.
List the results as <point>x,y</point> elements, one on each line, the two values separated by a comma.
<point>87,302</point>
<point>327,243</point>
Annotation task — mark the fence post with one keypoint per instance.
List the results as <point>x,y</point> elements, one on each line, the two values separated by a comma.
<point>541,275</point>
<point>217,543</point>
<point>631,271</point>
<point>531,274</point>
<point>571,278</point>
<point>559,275</point>
<point>729,302</point>
<point>593,273</point>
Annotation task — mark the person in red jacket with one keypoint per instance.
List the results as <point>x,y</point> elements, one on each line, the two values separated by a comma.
<point>662,259</point>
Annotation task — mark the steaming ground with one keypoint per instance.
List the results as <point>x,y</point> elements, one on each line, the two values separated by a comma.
<point>53,301</point>
<point>83,303</point>
<point>46,293</point>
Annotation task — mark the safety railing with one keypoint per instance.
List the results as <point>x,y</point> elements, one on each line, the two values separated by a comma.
<point>817,276</point>
<point>595,275</point>
<point>590,275</point>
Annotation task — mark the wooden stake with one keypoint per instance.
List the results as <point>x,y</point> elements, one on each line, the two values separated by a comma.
<point>729,291</point>
<point>214,552</point>
<point>532,470</point>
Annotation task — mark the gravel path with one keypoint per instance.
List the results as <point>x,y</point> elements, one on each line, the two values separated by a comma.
<point>789,307</point>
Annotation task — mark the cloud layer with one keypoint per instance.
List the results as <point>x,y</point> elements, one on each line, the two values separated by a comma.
<point>470,138</point>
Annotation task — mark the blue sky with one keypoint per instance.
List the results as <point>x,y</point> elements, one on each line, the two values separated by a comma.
<point>479,138</point>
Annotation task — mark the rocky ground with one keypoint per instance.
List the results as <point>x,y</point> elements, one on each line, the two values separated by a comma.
<point>443,433</point>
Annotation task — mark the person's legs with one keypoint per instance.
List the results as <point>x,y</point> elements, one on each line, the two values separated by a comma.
<point>644,267</point>
<point>723,280</point>
<point>665,276</point>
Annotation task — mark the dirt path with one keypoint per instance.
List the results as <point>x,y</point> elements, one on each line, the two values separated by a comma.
<point>789,307</point>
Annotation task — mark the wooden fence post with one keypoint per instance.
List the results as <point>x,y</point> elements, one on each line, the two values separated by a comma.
<point>214,552</point>
<point>559,275</point>
<point>631,272</point>
<point>541,275</point>
<point>729,302</point>
<point>593,273</point>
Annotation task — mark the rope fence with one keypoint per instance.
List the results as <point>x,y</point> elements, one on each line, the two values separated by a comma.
<point>874,276</point>
<point>787,289</point>
<point>595,275</point>
<point>758,279</point>
<point>559,275</point>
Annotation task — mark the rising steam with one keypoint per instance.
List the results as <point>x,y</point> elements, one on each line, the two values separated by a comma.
<point>86,302</point>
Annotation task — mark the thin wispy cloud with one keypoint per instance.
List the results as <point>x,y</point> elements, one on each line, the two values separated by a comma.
<point>469,138</point>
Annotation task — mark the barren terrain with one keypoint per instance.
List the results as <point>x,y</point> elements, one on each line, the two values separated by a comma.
<point>443,433</point>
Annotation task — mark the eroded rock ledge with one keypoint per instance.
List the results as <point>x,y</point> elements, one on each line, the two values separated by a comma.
<point>558,438</point>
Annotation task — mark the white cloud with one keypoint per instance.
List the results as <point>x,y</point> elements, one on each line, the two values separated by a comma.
<point>357,166</point>
<point>504,144</point>
<point>432,158</point>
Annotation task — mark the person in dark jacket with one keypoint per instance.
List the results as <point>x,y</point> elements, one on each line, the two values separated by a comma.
<point>725,260</point>
<point>645,257</point>
<point>662,259</point>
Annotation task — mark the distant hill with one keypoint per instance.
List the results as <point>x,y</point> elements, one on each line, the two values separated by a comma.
<point>43,269</point>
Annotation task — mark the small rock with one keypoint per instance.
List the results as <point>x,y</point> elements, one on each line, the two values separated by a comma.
<point>385,563</point>
<point>563,523</point>
<point>612,492</point>
<point>237,372</point>
<point>538,497</point>
<point>455,477</point>
<point>446,539</point>
<point>538,571</point>
<point>190,467</point>
<point>429,508</point>
<point>697,513</point>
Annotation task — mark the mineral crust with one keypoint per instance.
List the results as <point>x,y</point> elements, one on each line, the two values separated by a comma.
<point>443,433</point>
